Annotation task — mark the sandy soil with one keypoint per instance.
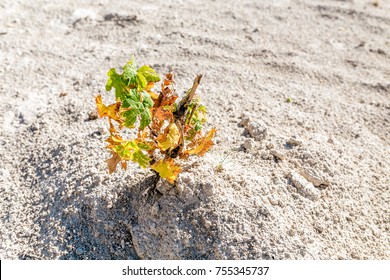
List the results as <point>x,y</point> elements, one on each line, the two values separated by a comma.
<point>307,179</point>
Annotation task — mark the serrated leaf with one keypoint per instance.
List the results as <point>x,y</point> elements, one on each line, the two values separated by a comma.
<point>134,151</point>
<point>203,145</point>
<point>149,73</point>
<point>111,111</point>
<point>145,119</point>
<point>167,169</point>
<point>160,115</point>
<point>141,82</point>
<point>137,104</point>
<point>130,73</point>
<point>147,101</point>
<point>112,162</point>
<point>117,81</point>
<point>170,139</point>
<point>114,139</point>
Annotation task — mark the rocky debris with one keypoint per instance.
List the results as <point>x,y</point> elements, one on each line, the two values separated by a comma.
<point>264,155</point>
<point>207,223</point>
<point>294,162</point>
<point>245,119</point>
<point>79,251</point>
<point>92,115</point>
<point>278,154</point>
<point>270,146</point>
<point>163,186</point>
<point>249,144</point>
<point>256,129</point>
<point>294,142</point>
<point>304,187</point>
<point>313,176</point>
<point>120,18</point>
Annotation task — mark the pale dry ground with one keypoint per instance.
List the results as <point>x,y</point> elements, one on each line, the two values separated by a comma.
<point>331,58</point>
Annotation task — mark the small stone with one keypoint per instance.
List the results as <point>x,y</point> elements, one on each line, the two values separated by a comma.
<point>273,200</point>
<point>79,251</point>
<point>64,164</point>
<point>180,188</point>
<point>304,187</point>
<point>186,178</point>
<point>312,176</point>
<point>264,155</point>
<point>355,255</point>
<point>102,130</point>
<point>291,232</point>
<point>34,127</point>
<point>257,130</point>
<point>295,162</point>
<point>163,186</point>
<point>155,208</point>
<point>92,115</point>
<point>208,189</point>
<point>307,155</point>
<point>249,144</point>
<point>245,121</point>
<point>207,224</point>
<point>270,145</point>
<point>278,154</point>
<point>294,142</point>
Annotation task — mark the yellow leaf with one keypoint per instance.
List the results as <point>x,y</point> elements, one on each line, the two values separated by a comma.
<point>111,111</point>
<point>148,89</point>
<point>167,169</point>
<point>169,140</point>
<point>203,145</point>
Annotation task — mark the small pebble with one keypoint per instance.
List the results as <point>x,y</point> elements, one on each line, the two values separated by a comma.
<point>304,187</point>
<point>245,121</point>
<point>270,146</point>
<point>207,224</point>
<point>249,144</point>
<point>278,154</point>
<point>79,251</point>
<point>294,142</point>
<point>257,130</point>
<point>264,155</point>
<point>92,115</point>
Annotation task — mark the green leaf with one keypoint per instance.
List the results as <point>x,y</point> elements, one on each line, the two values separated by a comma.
<point>137,108</point>
<point>141,82</point>
<point>149,74</point>
<point>130,73</point>
<point>116,81</point>
<point>146,117</point>
<point>130,117</point>
<point>148,101</point>
<point>134,151</point>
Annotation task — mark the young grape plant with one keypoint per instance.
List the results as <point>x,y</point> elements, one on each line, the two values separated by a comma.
<point>168,130</point>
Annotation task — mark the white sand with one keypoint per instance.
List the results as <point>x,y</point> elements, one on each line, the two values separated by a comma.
<point>331,58</point>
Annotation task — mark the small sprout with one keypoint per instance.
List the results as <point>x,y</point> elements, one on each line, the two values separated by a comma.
<point>289,100</point>
<point>168,131</point>
<point>220,166</point>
